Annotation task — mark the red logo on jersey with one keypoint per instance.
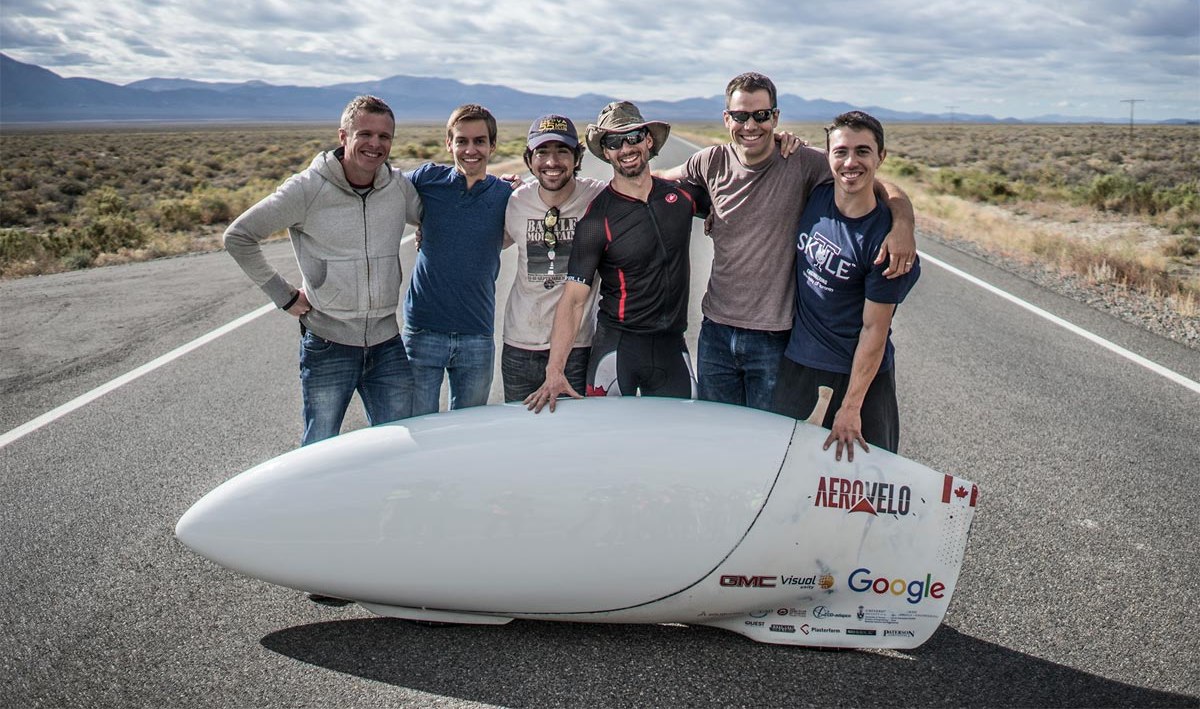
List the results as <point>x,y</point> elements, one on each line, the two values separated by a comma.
<point>596,391</point>
<point>672,198</point>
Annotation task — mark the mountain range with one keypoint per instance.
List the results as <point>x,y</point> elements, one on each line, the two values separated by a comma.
<point>32,94</point>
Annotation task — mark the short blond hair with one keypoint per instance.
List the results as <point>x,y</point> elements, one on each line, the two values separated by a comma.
<point>364,104</point>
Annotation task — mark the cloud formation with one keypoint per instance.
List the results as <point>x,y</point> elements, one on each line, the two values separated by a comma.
<point>1021,58</point>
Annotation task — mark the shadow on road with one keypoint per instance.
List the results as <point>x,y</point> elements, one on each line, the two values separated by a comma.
<point>559,664</point>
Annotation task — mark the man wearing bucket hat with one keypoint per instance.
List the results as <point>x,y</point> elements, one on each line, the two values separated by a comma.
<point>540,221</point>
<point>634,236</point>
<point>758,196</point>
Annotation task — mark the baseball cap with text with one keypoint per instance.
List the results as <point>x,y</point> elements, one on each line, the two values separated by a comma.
<point>552,127</point>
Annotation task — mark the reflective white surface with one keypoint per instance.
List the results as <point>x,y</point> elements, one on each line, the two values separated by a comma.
<point>598,506</point>
<point>610,510</point>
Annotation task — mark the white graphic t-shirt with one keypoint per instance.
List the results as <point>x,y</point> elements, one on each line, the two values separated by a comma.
<point>542,264</point>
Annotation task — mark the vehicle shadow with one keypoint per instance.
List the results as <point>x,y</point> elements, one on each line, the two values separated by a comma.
<point>574,664</point>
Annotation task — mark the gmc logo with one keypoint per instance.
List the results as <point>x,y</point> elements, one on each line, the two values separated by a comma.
<point>748,581</point>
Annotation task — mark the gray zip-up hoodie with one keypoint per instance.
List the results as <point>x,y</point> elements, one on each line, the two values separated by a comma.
<point>347,246</point>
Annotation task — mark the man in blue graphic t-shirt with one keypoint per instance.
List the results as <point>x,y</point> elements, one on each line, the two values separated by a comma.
<point>844,305</point>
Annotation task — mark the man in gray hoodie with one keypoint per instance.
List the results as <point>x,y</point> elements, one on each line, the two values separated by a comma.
<point>345,215</point>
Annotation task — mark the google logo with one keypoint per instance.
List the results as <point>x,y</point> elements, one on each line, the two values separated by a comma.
<point>861,581</point>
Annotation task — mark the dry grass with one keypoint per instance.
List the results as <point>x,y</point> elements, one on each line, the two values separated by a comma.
<point>74,197</point>
<point>1085,200</point>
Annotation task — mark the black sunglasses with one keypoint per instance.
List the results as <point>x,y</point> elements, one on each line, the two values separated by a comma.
<point>548,223</point>
<point>762,116</point>
<point>613,141</point>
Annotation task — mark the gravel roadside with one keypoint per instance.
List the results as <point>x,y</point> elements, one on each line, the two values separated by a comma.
<point>1129,305</point>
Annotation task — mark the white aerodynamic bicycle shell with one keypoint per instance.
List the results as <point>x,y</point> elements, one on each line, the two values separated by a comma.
<point>553,513</point>
<point>608,510</point>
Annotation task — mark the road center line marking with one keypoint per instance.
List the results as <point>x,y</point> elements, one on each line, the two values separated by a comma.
<point>1085,334</point>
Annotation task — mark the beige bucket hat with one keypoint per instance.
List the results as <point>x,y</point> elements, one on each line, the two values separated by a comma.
<point>622,117</point>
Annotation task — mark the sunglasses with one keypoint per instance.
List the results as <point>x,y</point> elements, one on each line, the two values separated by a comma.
<point>548,223</point>
<point>762,116</point>
<point>613,141</point>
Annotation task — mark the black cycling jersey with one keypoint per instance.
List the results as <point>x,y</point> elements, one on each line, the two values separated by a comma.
<point>640,251</point>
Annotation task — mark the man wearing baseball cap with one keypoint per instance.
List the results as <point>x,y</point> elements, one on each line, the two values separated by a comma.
<point>634,236</point>
<point>540,221</point>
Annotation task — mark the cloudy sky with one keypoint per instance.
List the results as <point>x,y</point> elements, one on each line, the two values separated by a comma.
<point>1019,58</point>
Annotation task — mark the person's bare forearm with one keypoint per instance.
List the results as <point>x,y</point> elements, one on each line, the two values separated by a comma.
<point>868,354</point>
<point>897,201</point>
<point>671,173</point>
<point>899,248</point>
<point>562,335</point>
<point>867,357</point>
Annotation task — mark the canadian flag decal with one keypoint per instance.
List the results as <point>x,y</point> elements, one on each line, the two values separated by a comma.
<point>956,491</point>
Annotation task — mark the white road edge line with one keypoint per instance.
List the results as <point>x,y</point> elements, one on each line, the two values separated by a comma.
<point>1071,327</point>
<point>84,399</point>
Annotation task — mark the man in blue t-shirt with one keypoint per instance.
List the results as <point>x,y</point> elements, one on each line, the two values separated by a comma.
<point>844,305</point>
<point>449,311</point>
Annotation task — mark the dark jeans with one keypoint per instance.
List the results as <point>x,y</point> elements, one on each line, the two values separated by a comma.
<point>739,366</point>
<point>523,371</point>
<point>330,373</point>
<point>796,395</point>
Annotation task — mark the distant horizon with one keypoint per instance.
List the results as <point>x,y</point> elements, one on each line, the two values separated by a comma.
<point>719,94</point>
<point>1024,59</point>
<point>1033,119</point>
<point>87,124</point>
<point>33,100</point>
<point>1112,118</point>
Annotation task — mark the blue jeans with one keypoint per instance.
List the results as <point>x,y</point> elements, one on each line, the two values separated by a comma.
<point>330,373</point>
<point>739,366</point>
<point>467,359</point>
<point>523,371</point>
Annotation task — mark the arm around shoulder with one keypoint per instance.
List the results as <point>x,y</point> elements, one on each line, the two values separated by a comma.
<point>900,246</point>
<point>413,206</point>
<point>694,168</point>
<point>672,173</point>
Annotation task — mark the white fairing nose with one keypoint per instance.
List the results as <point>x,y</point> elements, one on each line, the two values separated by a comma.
<point>498,510</point>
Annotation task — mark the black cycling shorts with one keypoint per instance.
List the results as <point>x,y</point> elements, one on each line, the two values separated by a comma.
<point>796,395</point>
<point>628,363</point>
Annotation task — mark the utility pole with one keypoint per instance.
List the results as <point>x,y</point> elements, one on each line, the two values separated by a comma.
<point>1131,102</point>
<point>951,109</point>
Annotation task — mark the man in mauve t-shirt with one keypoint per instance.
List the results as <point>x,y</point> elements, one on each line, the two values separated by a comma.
<point>757,199</point>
